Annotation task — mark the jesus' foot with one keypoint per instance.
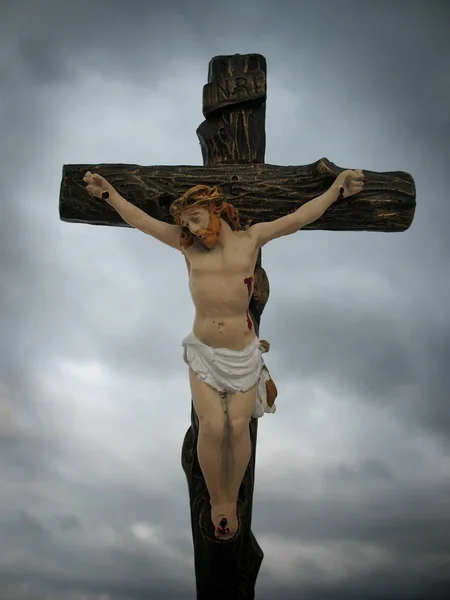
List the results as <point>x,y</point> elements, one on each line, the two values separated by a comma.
<point>225,520</point>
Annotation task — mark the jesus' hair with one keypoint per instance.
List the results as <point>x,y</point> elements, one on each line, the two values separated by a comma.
<point>211,198</point>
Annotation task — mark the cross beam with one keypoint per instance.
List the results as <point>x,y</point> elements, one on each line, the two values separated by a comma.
<point>232,140</point>
<point>260,192</point>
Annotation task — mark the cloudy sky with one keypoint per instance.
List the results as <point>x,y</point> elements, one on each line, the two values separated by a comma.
<point>352,495</point>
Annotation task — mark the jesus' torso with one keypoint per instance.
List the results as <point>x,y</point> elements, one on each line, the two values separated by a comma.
<point>221,285</point>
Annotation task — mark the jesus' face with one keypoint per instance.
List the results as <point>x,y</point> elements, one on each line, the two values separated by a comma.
<point>203,224</point>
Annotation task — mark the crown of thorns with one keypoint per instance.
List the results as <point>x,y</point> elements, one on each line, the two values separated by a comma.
<point>198,195</point>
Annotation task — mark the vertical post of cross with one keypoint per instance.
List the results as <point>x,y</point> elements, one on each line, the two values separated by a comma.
<point>234,107</point>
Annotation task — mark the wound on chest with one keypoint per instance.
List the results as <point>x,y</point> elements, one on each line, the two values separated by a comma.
<point>249,283</point>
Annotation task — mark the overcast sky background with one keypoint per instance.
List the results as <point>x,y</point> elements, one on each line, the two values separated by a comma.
<point>352,497</point>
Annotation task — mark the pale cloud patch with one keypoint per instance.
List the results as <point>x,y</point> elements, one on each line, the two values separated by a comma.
<point>111,429</point>
<point>294,563</point>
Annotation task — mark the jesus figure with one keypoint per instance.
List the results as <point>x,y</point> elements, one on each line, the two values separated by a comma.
<point>229,381</point>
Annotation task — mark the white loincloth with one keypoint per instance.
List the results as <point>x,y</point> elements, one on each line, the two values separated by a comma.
<point>230,371</point>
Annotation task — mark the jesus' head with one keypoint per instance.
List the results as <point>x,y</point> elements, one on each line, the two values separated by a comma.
<point>199,212</point>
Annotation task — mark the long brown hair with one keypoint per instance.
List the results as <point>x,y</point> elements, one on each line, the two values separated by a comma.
<point>211,198</point>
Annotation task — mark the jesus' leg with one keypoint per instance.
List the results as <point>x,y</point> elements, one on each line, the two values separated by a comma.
<point>223,447</point>
<point>239,408</point>
<point>211,436</point>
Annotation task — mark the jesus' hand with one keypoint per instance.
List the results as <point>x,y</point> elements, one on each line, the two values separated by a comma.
<point>97,185</point>
<point>350,182</point>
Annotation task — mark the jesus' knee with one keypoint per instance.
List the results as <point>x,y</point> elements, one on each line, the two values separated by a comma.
<point>239,425</point>
<point>211,426</point>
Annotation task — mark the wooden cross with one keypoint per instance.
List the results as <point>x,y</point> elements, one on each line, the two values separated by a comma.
<point>232,141</point>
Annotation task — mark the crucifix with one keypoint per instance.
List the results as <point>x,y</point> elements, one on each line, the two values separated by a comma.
<point>232,140</point>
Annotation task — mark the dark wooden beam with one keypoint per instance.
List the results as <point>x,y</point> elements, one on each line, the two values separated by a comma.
<point>259,191</point>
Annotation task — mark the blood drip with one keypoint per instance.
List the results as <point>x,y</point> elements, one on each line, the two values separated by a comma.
<point>249,283</point>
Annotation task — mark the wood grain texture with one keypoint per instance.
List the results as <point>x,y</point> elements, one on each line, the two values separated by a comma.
<point>260,192</point>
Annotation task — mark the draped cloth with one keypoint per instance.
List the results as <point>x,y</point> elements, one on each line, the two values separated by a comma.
<point>233,371</point>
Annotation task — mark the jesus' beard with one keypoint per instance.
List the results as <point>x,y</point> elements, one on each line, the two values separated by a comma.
<point>207,238</point>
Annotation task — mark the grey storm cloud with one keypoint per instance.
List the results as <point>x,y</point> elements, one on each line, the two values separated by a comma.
<point>351,497</point>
